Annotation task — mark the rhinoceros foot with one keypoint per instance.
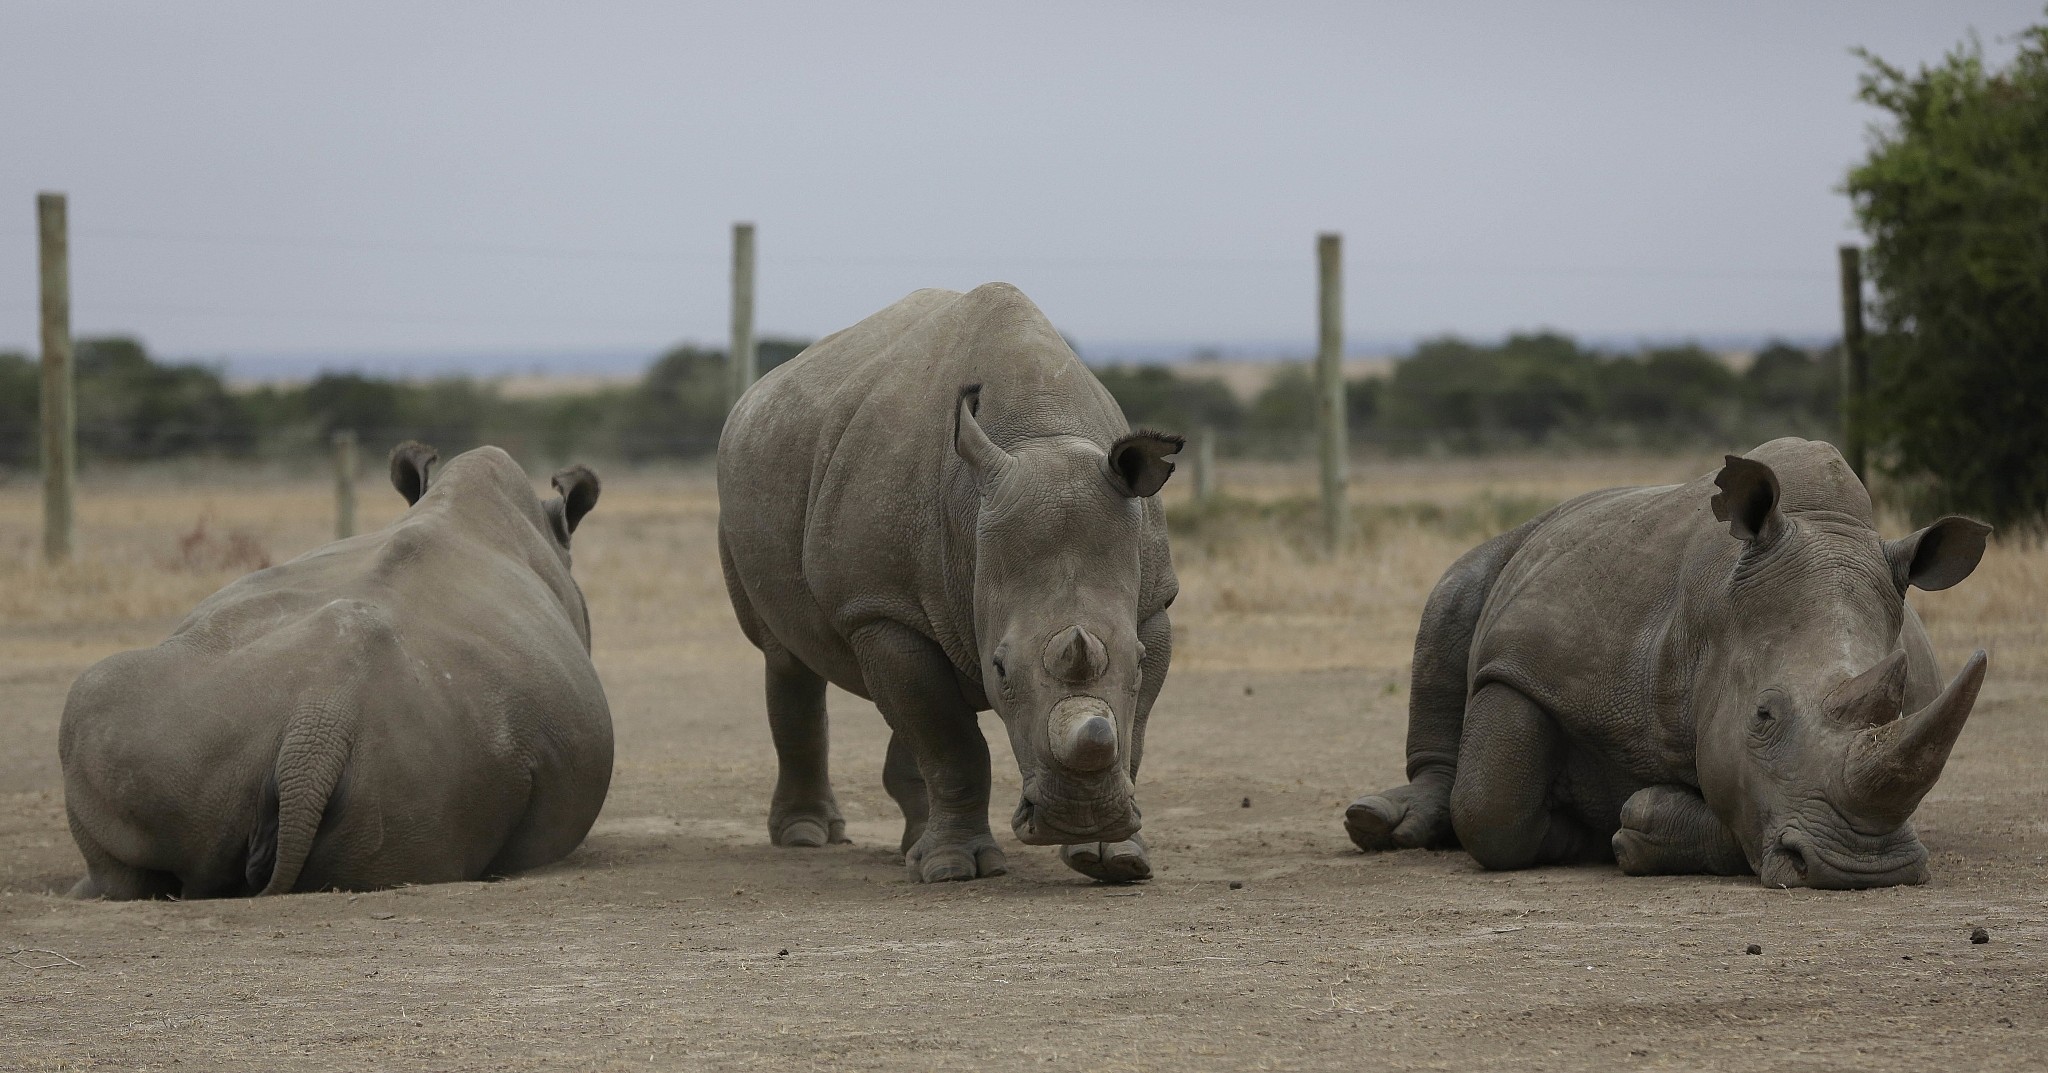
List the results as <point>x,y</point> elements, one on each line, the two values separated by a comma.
<point>809,832</point>
<point>1128,861</point>
<point>1415,816</point>
<point>1669,830</point>
<point>934,859</point>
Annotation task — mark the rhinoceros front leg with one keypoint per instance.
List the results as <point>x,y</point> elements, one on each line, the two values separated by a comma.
<point>914,685</point>
<point>803,811</point>
<point>1130,861</point>
<point>1669,830</point>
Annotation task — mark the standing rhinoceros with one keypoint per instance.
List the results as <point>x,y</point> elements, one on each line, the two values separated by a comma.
<point>942,510</point>
<point>1688,681</point>
<point>413,705</point>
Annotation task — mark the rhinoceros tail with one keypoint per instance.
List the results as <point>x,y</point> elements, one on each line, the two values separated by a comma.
<point>299,795</point>
<point>301,789</point>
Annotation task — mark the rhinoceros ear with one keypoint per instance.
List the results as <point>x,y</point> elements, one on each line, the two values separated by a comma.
<point>971,443</point>
<point>409,464</point>
<point>1748,500</point>
<point>579,487</point>
<point>1137,463</point>
<point>1940,555</point>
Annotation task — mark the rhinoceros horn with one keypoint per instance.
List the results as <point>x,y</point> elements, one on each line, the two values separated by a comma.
<point>1891,766</point>
<point>1871,698</point>
<point>1081,734</point>
<point>1075,655</point>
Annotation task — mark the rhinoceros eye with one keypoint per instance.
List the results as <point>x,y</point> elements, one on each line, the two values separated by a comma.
<point>1763,713</point>
<point>1001,671</point>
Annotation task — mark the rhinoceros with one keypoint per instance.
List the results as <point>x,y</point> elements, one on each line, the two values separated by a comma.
<point>411,705</point>
<point>1700,678</point>
<point>941,509</point>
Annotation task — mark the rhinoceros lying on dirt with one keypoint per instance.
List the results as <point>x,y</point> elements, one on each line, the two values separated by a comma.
<point>413,705</point>
<point>941,509</point>
<point>1689,681</point>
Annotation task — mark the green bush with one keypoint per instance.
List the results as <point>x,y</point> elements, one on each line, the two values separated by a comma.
<point>1954,196</point>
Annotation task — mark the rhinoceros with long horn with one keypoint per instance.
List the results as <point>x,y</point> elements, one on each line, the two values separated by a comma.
<point>1721,676</point>
<point>410,705</point>
<point>942,510</point>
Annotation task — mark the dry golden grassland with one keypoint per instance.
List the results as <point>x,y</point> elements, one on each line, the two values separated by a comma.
<point>1257,590</point>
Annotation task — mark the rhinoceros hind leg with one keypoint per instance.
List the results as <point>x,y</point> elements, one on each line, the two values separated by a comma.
<point>1669,830</point>
<point>1128,861</point>
<point>906,785</point>
<point>803,812</point>
<point>1502,802</point>
<point>1414,816</point>
<point>914,685</point>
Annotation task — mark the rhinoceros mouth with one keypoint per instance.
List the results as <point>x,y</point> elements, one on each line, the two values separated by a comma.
<point>1036,825</point>
<point>1798,859</point>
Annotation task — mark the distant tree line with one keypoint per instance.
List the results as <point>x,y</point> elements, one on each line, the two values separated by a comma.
<point>1450,395</point>
<point>1529,391</point>
<point>131,407</point>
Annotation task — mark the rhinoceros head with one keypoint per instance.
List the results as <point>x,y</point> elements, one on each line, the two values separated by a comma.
<point>1804,750</point>
<point>412,463</point>
<point>1056,589</point>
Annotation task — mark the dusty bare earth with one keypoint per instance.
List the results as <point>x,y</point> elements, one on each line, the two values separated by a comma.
<point>677,938</point>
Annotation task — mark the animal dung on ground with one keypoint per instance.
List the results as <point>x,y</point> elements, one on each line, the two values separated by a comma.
<point>1980,936</point>
<point>1246,803</point>
<point>1755,949</point>
<point>1237,884</point>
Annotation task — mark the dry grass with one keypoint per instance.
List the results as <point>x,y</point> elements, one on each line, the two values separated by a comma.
<point>150,545</point>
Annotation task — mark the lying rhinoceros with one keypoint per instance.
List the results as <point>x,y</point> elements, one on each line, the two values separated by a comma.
<point>413,705</point>
<point>942,510</point>
<point>1687,680</point>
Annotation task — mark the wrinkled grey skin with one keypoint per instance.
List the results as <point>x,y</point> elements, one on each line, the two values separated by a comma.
<point>1707,677</point>
<point>412,705</point>
<point>940,509</point>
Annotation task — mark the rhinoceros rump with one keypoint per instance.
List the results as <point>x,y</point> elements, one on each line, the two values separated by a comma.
<point>941,509</point>
<point>412,705</point>
<point>1721,676</point>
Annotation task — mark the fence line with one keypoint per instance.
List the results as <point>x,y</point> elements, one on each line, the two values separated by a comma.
<point>1167,261</point>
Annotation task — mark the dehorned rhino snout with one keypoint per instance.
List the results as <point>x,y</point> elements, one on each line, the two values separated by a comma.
<point>1082,734</point>
<point>1075,655</point>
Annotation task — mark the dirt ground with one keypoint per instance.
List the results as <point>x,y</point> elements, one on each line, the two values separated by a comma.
<point>677,938</point>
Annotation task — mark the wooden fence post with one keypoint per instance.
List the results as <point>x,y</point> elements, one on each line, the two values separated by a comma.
<point>59,407</point>
<point>1330,384</point>
<point>344,484</point>
<point>740,358</point>
<point>1205,464</point>
<point>1855,363</point>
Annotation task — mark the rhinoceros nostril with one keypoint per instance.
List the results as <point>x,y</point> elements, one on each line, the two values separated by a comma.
<point>1797,854</point>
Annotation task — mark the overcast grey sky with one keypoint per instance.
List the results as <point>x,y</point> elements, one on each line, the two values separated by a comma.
<point>409,177</point>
